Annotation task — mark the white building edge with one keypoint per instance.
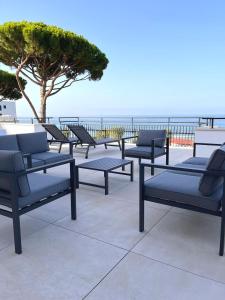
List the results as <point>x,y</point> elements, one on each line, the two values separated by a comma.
<point>7,110</point>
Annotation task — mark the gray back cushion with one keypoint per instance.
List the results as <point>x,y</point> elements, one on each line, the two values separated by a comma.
<point>208,183</point>
<point>8,142</point>
<point>33,142</point>
<point>11,162</point>
<point>145,137</point>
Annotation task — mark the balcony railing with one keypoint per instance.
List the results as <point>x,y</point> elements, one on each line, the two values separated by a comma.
<point>180,129</point>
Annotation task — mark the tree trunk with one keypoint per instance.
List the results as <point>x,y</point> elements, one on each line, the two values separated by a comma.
<point>42,115</point>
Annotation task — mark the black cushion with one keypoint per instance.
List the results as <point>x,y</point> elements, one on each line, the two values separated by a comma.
<point>33,142</point>
<point>12,162</point>
<point>144,152</point>
<point>209,183</point>
<point>145,137</point>
<point>183,189</point>
<point>9,142</point>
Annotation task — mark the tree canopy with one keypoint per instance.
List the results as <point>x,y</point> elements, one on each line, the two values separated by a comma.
<point>49,56</point>
<point>9,88</point>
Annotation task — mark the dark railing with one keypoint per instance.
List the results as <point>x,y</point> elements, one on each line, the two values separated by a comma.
<point>180,129</point>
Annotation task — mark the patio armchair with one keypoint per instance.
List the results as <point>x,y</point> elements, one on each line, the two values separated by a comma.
<point>86,139</point>
<point>59,137</point>
<point>150,145</point>
<point>22,190</point>
<point>191,188</point>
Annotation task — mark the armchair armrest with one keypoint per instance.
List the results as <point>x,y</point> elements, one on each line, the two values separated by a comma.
<point>129,137</point>
<point>202,144</point>
<point>48,166</point>
<point>123,142</point>
<point>29,159</point>
<point>181,169</point>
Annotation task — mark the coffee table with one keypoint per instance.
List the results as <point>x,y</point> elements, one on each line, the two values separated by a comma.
<point>105,165</point>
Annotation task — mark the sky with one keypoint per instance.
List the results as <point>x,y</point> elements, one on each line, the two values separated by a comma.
<point>166,57</point>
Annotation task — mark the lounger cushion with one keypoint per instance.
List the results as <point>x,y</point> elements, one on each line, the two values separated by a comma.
<point>144,152</point>
<point>11,162</point>
<point>33,142</point>
<point>105,140</point>
<point>9,142</point>
<point>42,186</point>
<point>209,183</point>
<point>183,189</point>
<point>197,161</point>
<point>50,157</point>
<point>145,137</point>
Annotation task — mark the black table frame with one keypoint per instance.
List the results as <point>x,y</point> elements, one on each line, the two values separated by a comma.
<point>106,174</point>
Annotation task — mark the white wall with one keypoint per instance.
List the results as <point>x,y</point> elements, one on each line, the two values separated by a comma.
<point>208,135</point>
<point>8,108</point>
<point>14,128</point>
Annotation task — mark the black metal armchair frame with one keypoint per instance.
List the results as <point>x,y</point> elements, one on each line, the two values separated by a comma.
<point>59,137</point>
<point>153,156</point>
<point>142,198</point>
<point>202,144</point>
<point>16,212</point>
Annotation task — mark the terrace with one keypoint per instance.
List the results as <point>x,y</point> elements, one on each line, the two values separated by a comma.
<point>102,255</point>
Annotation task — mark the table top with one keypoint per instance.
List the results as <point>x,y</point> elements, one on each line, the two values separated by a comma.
<point>104,164</point>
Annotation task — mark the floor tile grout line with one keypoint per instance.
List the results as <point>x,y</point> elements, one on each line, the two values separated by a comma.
<point>148,231</point>
<point>178,268</point>
<point>106,275</point>
<point>119,262</point>
<point>91,237</point>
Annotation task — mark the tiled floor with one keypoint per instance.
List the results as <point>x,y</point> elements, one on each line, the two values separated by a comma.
<point>103,256</point>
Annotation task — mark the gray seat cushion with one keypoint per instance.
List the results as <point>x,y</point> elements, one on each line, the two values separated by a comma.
<point>105,140</point>
<point>42,186</point>
<point>50,157</point>
<point>33,142</point>
<point>209,183</point>
<point>145,137</point>
<point>144,152</point>
<point>12,162</point>
<point>9,142</point>
<point>183,189</point>
<point>197,161</point>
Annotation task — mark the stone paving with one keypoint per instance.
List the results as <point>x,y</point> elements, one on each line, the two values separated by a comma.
<point>102,255</point>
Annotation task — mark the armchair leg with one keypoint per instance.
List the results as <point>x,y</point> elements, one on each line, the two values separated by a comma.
<point>119,145</point>
<point>152,168</point>
<point>141,200</point>
<point>60,147</point>
<point>17,233</point>
<point>105,146</point>
<point>73,205</point>
<point>73,184</point>
<point>141,215</point>
<point>222,231</point>
<point>86,154</point>
<point>167,158</point>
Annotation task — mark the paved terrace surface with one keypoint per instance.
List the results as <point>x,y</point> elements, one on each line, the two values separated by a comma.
<point>102,255</point>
